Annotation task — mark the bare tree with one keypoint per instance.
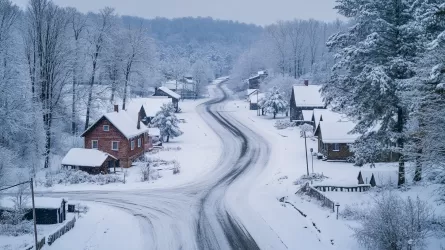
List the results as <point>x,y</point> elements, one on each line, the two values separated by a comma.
<point>98,38</point>
<point>296,31</point>
<point>313,32</point>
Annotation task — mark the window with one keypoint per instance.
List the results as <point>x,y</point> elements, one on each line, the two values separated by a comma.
<point>336,147</point>
<point>106,127</point>
<point>139,142</point>
<point>115,145</point>
<point>132,145</point>
<point>94,144</point>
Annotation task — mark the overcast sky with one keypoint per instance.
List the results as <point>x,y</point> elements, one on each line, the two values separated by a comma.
<point>251,11</point>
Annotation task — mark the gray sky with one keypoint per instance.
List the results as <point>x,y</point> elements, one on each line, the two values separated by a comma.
<point>251,11</point>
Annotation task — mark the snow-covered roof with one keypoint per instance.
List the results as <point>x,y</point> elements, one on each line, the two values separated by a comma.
<point>151,106</point>
<point>154,131</point>
<point>40,202</point>
<point>338,132</point>
<point>85,157</point>
<point>170,92</point>
<point>251,91</point>
<point>255,98</point>
<point>126,124</point>
<point>307,115</point>
<point>327,115</point>
<point>308,96</point>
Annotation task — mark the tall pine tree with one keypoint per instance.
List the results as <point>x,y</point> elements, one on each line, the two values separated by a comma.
<point>374,61</point>
<point>167,122</point>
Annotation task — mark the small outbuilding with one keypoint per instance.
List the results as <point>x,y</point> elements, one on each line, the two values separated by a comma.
<point>164,91</point>
<point>92,161</point>
<point>48,210</point>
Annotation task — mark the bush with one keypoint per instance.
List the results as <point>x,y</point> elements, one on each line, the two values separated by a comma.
<point>65,176</point>
<point>392,221</point>
<point>312,177</point>
<point>24,227</point>
<point>176,167</point>
<point>283,124</point>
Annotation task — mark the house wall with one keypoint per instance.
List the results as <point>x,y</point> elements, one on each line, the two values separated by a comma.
<point>105,138</point>
<point>254,83</point>
<point>253,106</point>
<point>342,154</point>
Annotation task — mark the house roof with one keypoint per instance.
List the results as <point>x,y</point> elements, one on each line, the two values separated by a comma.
<point>124,122</point>
<point>180,85</point>
<point>337,132</point>
<point>151,106</point>
<point>307,96</point>
<point>85,157</point>
<point>170,92</point>
<point>39,202</point>
<point>251,91</point>
<point>327,115</point>
<point>255,98</point>
<point>307,115</point>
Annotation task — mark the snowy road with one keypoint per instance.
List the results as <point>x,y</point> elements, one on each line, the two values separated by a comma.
<point>213,211</point>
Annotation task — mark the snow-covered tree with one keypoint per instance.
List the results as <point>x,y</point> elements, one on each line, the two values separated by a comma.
<point>375,61</point>
<point>202,73</point>
<point>274,102</point>
<point>167,122</point>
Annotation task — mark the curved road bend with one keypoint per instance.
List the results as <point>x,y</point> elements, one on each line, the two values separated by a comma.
<point>198,215</point>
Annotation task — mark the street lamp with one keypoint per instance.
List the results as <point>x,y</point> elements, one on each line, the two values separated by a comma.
<point>337,205</point>
<point>312,154</point>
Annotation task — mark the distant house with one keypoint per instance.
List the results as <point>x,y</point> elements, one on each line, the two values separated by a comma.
<point>250,93</point>
<point>117,133</point>
<point>185,87</point>
<point>304,97</point>
<point>164,91</point>
<point>48,210</point>
<point>255,80</point>
<point>334,139</point>
<point>92,161</point>
<point>254,100</point>
<point>326,115</point>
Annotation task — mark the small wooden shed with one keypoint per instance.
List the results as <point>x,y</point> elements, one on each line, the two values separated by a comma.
<point>92,161</point>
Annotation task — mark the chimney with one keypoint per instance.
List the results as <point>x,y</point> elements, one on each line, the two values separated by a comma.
<point>139,122</point>
<point>116,108</point>
<point>306,82</point>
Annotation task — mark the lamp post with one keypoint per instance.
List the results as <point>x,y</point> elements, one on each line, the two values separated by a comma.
<point>312,154</point>
<point>337,205</point>
<point>410,244</point>
<point>303,134</point>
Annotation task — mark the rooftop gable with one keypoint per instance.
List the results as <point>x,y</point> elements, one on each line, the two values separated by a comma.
<point>307,96</point>
<point>170,92</point>
<point>338,132</point>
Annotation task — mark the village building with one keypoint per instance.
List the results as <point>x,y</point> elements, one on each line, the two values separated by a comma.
<point>48,210</point>
<point>117,133</point>
<point>255,80</point>
<point>334,138</point>
<point>254,100</point>
<point>304,97</point>
<point>146,109</point>
<point>92,161</point>
<point>250,93</point>
<point>185,87</point>
<point>164,91</point>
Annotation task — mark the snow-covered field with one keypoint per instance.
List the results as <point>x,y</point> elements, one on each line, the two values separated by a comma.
<point>319,229</point>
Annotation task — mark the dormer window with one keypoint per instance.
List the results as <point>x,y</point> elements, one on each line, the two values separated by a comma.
<point>106,127</point>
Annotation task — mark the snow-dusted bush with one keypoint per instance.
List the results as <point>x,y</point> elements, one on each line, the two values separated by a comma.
<point>274,102</point>
<point>176,167</point>
<point>283,124</point>
<point>312,177</point>
<point>167,122</point>
<point>392,221</point>
<point>65,176</point>
<point>17,229</point>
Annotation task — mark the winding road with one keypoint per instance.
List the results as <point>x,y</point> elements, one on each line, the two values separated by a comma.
<point>212,212</point>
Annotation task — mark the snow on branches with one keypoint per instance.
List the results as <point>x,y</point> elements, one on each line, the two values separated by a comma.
<point>274,102</point>
<point>167,122</point>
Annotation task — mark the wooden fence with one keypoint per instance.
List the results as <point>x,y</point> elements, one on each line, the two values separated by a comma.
<point>40,244</point>
<point>312,192</point>
<point>359,188</point>
<point>68,226</point>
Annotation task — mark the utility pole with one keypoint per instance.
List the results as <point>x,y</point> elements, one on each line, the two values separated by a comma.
<point>34,212</point>
<point>305,152</point>
<point>257,104</point>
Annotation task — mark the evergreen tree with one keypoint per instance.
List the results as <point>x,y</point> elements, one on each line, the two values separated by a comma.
<point>167,122</point>
<point>274,102</point>
<point>375,61</point>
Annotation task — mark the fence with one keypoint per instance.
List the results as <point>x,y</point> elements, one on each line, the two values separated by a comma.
<point>359,188</point>
<point>312,192</point>
<point>40,244</point>
<point>67,227</point>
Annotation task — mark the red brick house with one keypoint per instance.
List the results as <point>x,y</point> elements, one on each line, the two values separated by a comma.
<point>120,135</point>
